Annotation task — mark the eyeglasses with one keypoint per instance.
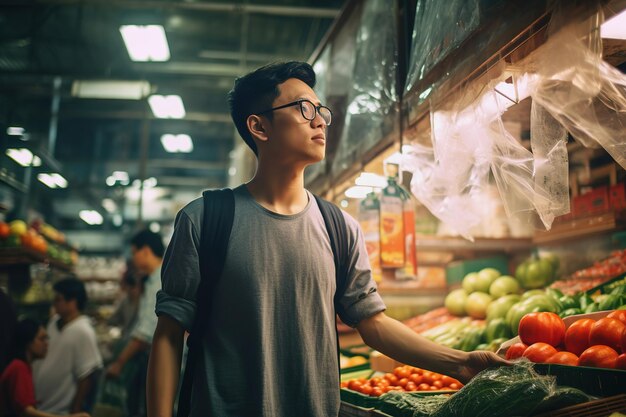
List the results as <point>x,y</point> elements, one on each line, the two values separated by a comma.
<point>308,110</point>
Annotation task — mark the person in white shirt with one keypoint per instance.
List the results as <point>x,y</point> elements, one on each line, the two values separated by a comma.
<point>65,379</point>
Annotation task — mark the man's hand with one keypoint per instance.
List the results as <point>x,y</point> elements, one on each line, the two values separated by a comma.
<point>478,361</point>
<point>114,370</point>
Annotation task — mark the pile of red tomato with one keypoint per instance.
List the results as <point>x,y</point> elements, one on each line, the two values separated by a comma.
<point>586,342</point>
<point>404,378</point>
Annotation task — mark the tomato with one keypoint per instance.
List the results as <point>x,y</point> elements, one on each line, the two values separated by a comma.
<point>366,389</point>
<point>620,363</point>
<point>454,385</point>
<point>354,385</point>
<point>598,356</point>
<point>427,377</point>
<point>411,386</point>
<point>416,378</point>
<point>402,382</point>
<point>434,388</point>
<point>539,352</point>
<point>607,331</point>
<point>393,380</point>
<point>344,384</point>
<point>447,380</point>
<point>516,350</point>
<point>401,372</point>
<point>541,327</point>
<point>577,336</point>
<point>563,358</point>
<point>619,315</point>
<point>423,387</point>
<point>438,384</point>
<point>5,230</point>
<point>377,392</point>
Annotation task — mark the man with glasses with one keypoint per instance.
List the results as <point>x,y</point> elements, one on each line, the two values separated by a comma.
<point>272,346</point>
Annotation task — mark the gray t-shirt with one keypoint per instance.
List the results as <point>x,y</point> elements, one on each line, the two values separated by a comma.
<point>272,347</point>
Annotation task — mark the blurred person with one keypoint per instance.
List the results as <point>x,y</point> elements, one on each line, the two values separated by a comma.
<point>270,344</point>
<point>17,393</point>
<point>125,313</point>
<point>7,328</point>
<point>65,380</point>
<point>147,255</point>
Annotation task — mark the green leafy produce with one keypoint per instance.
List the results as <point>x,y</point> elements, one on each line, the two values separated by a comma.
<point>403,404</point>
<point>497,329</point>
<point>532,304</point>
<point>561,398</point>
<point>505,391</point>
<point>570,312</point>
<point>498,308</point>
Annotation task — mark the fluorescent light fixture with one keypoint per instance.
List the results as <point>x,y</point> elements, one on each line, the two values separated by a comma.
<point>150,183</point>
<point>146,43</point>
<point>358,191</point>
<point>91,217</point>
<point>177,143</point>
<point>615,27</point>
<point>155,227</point>
<point>117,176</point>
<point>15,131</point>
<point>368,179</point>
<point>167,107</point>
<point>52,180</point>
<point>24,157</point>
<point>109,205</point>
<point>125,90</point>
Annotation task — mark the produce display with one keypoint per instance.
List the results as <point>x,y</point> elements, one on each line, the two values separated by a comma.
<point>600,343</point>
<point>349,362</point>
<point>39,238</point>
<point>595,275</point>
<point>404,378</point>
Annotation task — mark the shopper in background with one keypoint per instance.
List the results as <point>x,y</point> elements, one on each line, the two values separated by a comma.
<point>17,394</point>
<point>147,254</point>
<point>271,347</point>
<point>7,328</point>
<point>125,314</point>
<point>65,380</point>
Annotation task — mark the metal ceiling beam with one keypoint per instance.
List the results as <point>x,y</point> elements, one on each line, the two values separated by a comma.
<point>191,68</point>
<point>138,115</point>
<point>186,164</point>
<point>275,10</point>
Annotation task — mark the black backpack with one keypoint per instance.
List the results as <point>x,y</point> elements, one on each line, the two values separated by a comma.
<point>219,210</point>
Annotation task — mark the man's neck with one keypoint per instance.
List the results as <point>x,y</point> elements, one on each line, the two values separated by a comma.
<point>279,189</point>
<point>65,320</point>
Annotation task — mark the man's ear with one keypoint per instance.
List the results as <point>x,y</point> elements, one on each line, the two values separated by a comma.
<point>256,127</point>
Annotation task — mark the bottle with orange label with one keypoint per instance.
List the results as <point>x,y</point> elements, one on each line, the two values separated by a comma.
<point>410,256</point>
<point>369,219</point>
<point>392,244</point>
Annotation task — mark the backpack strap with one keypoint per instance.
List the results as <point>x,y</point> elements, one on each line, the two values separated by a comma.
<point>219,212</point>
<point>338,234</point>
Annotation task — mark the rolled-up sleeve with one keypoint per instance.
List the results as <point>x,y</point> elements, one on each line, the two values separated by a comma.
<point>180,273</point>
<point>361,298</point>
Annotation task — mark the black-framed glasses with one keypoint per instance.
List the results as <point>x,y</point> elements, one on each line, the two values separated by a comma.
<point>308,110</point>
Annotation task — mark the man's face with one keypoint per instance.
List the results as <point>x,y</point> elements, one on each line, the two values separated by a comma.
<point>61,305</point>
<point>139,257</point>
<point>292,138</point>
<point>39,346</point>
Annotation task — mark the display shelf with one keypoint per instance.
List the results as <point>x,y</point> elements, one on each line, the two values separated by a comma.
<point>25,256</point>
<point>446,244</point>
<point>565,231</point>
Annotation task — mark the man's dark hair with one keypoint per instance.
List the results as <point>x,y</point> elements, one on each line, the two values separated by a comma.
<point>150,239</point>
<point>256,91</point>
<point>25,333</point>
<point>72,289</point>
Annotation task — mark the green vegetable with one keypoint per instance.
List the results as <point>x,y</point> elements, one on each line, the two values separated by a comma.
<point>568,302</point>
<point>585,300</point>
<point>496,329</point>
<point>482,346</point>
<point>505,391</point>
<point>561,398</point>
<point>533,304</point>
<point>472,339</point>
<point>619,290</point>
<point>591,308</point>
<point>403,404</point>
<point>570,312</point>
<point>535,273</point>
<point>501,306</point>
<point>610,302</point>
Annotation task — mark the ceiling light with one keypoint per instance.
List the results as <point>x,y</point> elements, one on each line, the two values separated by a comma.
<point>369,179</point>
<point>150,183</point>
<point>177,143</point>
<point>121,176</point>
<point>24,157</point>
<point>126,90</point>
<point>145,43</point>
<point>615,27</point>
<point>358,191</point>
<point>52,180</point>
<point>110,181</point>
<point>109,205</point>
<point>91,217</point>
<point>15,131</point>
<point>155,227</point>
<point>167,107</point>
<point>117,220</point>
